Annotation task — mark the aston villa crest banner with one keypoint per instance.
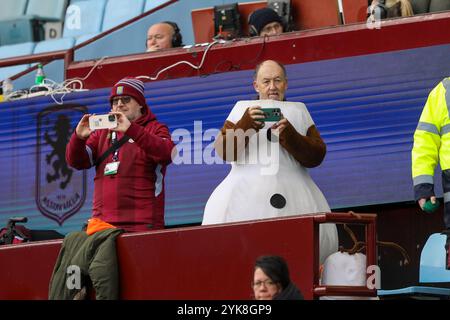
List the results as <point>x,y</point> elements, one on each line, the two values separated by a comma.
<point>60,190</point>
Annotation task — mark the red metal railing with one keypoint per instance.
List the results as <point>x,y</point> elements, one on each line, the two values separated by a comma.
<point>177,263</point>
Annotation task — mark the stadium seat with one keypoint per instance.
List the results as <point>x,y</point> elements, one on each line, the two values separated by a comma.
<point>15,50</point>
<point>84,38</point>
<point>150,4</point>
<point>118,11</point>
<point>54,45</point>
<point>432,270</point>
<point>50,10</point>
<point>12,9</point>
<point>84,18</point>
<point>432,260</point>
<point>20,30</point>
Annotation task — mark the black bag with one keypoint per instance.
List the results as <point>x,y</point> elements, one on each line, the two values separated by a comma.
<point>13,233</point>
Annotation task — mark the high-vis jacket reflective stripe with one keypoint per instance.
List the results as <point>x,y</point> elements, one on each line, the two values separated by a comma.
<point>432,135</point>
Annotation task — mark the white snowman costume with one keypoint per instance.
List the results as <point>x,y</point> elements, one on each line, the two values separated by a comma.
<point>274,185</point>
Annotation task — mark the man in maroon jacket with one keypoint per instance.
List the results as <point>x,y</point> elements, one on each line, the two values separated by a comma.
<point>129,183</point>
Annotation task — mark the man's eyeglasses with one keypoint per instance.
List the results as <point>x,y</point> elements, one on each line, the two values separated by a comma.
<point>267,283</point>
<point>124,99</point>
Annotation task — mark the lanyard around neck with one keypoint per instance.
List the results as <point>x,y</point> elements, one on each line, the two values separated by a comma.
<point>115,156</point>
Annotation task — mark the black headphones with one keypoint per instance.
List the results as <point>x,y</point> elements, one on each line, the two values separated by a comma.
<point>177,39</point>
<point>252,32</point>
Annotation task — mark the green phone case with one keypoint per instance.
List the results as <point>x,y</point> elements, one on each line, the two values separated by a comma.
<point>271,114</point>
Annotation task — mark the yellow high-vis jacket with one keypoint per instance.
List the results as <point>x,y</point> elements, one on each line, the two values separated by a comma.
<point>432,144</point>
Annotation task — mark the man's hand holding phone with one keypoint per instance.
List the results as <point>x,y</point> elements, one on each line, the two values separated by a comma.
<point>122,121</point>
<point>82,130</point>
<point>116,121</point>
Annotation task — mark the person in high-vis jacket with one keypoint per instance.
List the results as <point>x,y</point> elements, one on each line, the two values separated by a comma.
<point>432,144</point>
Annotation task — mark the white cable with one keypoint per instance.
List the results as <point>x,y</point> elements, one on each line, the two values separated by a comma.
<point>341,11</point>
<point>92,69</point>
<point>64,87</point>
<point>66,84</point>
<point>79,80</point>
<point>49,88</point>
<point>181,62</point>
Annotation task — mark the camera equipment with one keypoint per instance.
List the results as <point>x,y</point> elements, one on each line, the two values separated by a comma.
<point>227,22</point>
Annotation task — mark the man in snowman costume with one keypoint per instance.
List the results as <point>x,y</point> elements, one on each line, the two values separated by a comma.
<point>269,159</point>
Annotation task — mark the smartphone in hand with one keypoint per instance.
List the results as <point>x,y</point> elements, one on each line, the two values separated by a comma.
<point>102,121</point>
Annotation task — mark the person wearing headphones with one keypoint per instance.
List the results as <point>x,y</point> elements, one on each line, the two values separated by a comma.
<point>265,22</point>
<point>163,35</point>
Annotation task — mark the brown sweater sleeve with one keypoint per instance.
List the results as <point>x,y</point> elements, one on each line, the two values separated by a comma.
<point>308,150</point>
<point>230,140</point>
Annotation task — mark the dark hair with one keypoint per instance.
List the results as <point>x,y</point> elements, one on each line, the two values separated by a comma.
<point>276,268</point>
<point>177,39</point>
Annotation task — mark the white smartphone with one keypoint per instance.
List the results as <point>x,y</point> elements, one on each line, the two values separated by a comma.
<point>102,121</point>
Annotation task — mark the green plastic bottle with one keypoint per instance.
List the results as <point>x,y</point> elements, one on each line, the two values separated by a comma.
<point>40,75</point>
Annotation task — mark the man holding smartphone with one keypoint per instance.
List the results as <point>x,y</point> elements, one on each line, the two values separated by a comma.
<point>129,182</point>
<point>249,192</point>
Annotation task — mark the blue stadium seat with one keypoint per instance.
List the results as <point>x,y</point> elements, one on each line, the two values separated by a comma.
<point>84,38</point>
<point>84,18</point>
<point>20,30</point>
<point>432,270</point>
<point>12,9</point>
<point>51,10</point>
<point>54,45</point>
<point>118,11</point>
<point>432,260</point>
<point>15,50</point>
<point>150,4</point>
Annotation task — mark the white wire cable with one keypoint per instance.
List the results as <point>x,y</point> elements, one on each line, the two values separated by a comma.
<point>182,62</point>
<point>90,71</point>
<point>64,88</point>
<point>53,87</point>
